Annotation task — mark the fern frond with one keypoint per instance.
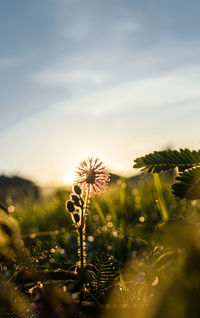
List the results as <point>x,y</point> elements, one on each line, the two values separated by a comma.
<point>188,185</point>
<point>102,276</point>
<point>168,159</point>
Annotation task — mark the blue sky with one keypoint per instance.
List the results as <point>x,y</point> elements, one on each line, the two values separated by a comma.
<point>115,79</point>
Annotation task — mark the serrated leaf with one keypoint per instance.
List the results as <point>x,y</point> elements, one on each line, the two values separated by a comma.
<point>168,159</point>
<point>188,185</point>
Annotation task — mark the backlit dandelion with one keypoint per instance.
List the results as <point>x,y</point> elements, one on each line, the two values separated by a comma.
<point>92,175</point>
<point>91,178</point>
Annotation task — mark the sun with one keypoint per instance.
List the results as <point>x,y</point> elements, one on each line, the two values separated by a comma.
<point>68,178</point>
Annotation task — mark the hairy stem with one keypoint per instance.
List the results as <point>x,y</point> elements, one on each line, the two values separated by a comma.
<point>82,231</point>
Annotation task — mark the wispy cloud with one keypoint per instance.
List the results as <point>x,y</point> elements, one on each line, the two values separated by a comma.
<point>8,62</point>
<point>167,92</point>
<point>157,69</point>
<point>77,78</point>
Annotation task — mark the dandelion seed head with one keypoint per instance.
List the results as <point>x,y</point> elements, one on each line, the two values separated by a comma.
<point>91,173</point>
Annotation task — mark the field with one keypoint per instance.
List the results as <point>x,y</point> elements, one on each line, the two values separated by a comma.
<point>141,247</point>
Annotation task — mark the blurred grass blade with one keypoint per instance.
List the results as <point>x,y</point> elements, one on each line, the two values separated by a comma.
<point>100,212</point>
<point>162,205</point>
<point>122,282</point>
<point>122,194</point>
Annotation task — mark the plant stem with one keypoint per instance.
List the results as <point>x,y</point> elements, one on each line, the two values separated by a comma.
<point>82,231</point>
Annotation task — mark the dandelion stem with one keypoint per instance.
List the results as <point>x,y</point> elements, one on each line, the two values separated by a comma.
<point>82,230</point>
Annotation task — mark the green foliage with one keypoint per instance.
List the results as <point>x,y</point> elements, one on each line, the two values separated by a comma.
<point>9,237</point>
<point>187,162</point>
<point>139,223</point>
<point>102,275</point>
<point>169,159</point>
<point>188,185</point>
<point>13,303</point>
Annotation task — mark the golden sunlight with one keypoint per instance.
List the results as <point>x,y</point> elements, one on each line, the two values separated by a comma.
<point>68,179</point>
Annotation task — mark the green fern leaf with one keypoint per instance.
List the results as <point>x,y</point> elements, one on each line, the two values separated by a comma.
<point>188,185</point>
<point>102,276</point>
<point>168,159</point>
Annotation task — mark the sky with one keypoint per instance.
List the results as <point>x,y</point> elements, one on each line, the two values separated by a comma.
<point>114,79</point>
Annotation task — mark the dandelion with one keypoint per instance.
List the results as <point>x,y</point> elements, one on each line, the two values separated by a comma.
<point>92,176</point>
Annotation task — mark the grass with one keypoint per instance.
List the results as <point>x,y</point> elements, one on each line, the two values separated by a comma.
<point>147,238</point>
<point>118,220</point>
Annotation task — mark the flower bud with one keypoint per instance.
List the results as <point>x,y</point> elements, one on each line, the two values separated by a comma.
<point>76,200</point>
<point>70,206</point>
<point>76,217</point>
<point>77,189</point>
